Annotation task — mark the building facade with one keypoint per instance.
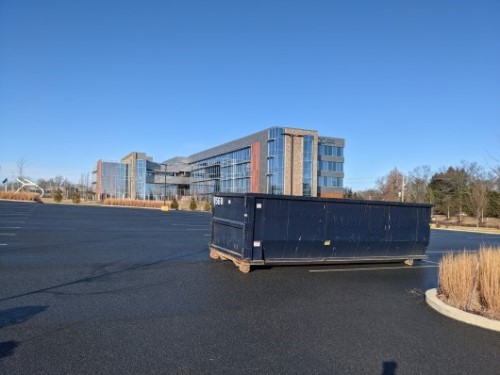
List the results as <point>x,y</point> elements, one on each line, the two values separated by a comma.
<point>278,160</point>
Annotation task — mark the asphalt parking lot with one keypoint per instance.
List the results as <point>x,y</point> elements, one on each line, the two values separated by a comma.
<point>107,290</point>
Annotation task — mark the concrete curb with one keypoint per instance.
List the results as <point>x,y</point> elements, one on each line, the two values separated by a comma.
<point>457,314</point>
<point>470,230</point>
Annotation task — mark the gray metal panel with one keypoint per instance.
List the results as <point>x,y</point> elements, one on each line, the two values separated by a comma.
<point>339,159</point>
<point>339,142</point>
<point>330,174</point>
<point>228,147</point>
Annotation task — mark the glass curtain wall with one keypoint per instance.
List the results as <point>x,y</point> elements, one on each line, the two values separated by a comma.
<point>330,166</point>
<point>307,172</point>
<point>140,179</point>
<point>275,161</point>
<point>114,180</point>
<point>226,173</point>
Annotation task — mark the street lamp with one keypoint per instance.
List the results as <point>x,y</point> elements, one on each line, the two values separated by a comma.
<point>165,185</point>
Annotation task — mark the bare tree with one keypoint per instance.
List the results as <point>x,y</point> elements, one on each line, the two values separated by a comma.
<point>462,180</point>
<point>494,168</point>
<point>391,186</point>
<point>418,181</point>
<point>85,184</point>
<point>58,181</point>
<point>480,187</point>
<point>478,196</point>
<point>369,194</point>
<point>68,186</point>
<point>21,164</point>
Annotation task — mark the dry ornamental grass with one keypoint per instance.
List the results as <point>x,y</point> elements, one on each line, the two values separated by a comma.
<point>489,280</point>
<point>471,281</point>
<point>132,203</point>
<point>21,196</point>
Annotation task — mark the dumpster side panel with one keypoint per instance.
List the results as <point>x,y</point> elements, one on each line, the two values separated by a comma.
<point>378,230</point>
<point>228,225</point>
<point>290,229</point>
<point>351,230</point>
<point>328,230</point>
<point>401,231</point>
<point>253,250</point>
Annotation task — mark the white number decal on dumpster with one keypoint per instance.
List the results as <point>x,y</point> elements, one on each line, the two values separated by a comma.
<point>218,201</point>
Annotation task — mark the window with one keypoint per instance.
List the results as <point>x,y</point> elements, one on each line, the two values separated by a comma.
<point>275,162</point>
<point>329,150</point>
<point>307,172</point>
<point>228,173</point>
<point>326,181</point>
<point>330,166</point>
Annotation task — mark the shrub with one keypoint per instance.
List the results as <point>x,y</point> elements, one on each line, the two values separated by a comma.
<point>193,206</point>
<point>208,206</point>
<point>76,198</point>
<point>174,205</point>
<point>57,195</point>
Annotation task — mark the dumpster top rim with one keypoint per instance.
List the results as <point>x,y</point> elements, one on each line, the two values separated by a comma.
<point>316,199</point>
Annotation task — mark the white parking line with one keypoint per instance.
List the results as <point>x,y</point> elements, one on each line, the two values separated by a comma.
<point>3,244</point>
<point>370,269</point>
<point>189,225</point>
<point>10,227</point>
<point>451,251</point>
<point>429,261</point>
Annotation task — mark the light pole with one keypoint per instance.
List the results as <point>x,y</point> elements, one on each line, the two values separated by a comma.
<point>165,185</point>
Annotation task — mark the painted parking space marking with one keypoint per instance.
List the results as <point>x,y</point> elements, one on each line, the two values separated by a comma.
<point>371,269</point>
<point>429,261</point>
<point>188,225</point>
<point>10,227</point>
<point>451,251</point>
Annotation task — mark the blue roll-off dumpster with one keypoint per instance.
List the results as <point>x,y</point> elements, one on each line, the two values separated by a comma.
<point>263,229</point>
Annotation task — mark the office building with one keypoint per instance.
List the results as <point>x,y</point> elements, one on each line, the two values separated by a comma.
<point>278,160</point>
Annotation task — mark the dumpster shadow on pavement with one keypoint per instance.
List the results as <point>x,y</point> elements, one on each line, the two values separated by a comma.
<point>97,277</point>
<point>7,348</point>
<point>10,317</point>
<point>19,315</point>
<point>389,368</point>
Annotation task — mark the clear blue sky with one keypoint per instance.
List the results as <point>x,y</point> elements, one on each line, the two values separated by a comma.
<point>406,83</point>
